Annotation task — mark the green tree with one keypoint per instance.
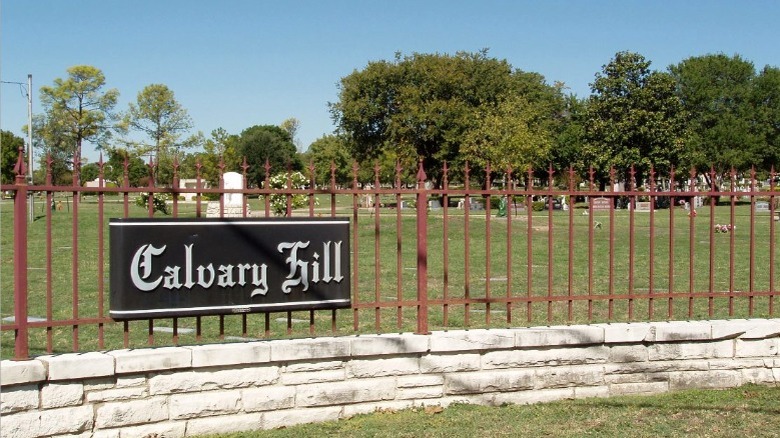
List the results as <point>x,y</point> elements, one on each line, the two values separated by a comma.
<point>421,107</point>
<point>77,110</point>
<point>766,99</point>
<point>291,126</point>
<point>90,172</point>
<point>570,137</point>
<point>326,150</point>
<point>137,170</point>
<point>54,142</point>
<point>9,154</point>
<point>509,135</point>
<point>716,94</point>
<point>267,142</point>
<point>220,147</point>
<point>634,118</point>
<point>158,115</point>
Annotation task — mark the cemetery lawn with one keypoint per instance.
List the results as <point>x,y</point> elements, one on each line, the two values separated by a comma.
<point>462,263</point>
<point>748,411</point>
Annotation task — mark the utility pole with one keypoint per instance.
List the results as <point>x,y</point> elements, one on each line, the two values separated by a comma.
<point>30,145</point>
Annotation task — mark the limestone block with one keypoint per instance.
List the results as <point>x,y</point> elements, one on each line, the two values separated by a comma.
<point>397,366</point>
<point>184,406</point>
<point>18,398</point>
<point>230,354</point>
<point>565,376</point>
<point>757,347</point>
<point>419,381</point>
<point>377,345</point>
<point>638,388</point>
<point>693,350</point>
<point>14,372</point>
<point>72,420</point>
<point>469,340</point>
<point>625,333</point>
<point>482,382</point>
<point>384,406</point>
<point>592,391</point>
<point>705,379</point>
<point>419,393</point>
<point>79,365</point>
<point>108,433</point>
<point>451,363</point>
<point>552,356</point>
<point>736,364</point>
<point>224,424</point>
<point>99,383</point>
<point>680,331</point>
<point>166,429</point>
<point>628,353</point>
<point>303,378</point>
<point>127,381</point>
<point>314,366</point>
<point>151,359</point>
<point>117,394</point>
<point>308,349</point>
<point>746,328</point>
<point>561,335</point>
<point>291,417</point>
<point>127,413</point>
<point>194,381</point>
<point>759,376</point>
<point>58,395</point>
<point>657,367</point>
<point>350,391</point>
<point>268,398</point>
<point>532,397</point>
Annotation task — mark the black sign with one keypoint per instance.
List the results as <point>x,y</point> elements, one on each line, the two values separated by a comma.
<point>188,267</point>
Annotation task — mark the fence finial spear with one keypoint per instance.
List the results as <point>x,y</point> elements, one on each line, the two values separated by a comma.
<point>20,168</point>
<point>421,176</point>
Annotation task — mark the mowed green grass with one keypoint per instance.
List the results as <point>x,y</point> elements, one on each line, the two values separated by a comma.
<point>531,270</point>
<point>748,411</point>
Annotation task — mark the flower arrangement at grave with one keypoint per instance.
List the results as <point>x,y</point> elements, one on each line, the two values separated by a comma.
<point>724,228</point>
<point>159,201</point>
<point>278,202</point>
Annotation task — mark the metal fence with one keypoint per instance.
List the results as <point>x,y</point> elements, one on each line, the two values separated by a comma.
<point>515,252</point>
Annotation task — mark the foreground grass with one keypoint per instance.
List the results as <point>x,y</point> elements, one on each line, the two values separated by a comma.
<point>748,411</point>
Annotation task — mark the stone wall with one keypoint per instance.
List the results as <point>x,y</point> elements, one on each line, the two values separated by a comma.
<point>195,390</point>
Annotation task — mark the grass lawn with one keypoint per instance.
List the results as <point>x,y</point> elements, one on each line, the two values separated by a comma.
<point>529,271</point>
<point>748,411</point>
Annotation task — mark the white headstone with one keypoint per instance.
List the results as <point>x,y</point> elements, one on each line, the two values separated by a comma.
<point>233,180</point>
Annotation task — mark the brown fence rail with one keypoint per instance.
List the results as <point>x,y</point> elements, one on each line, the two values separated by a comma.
<point>531,251</point>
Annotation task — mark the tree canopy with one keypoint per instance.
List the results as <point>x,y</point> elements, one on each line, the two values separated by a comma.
<point>9,154</point>
<point>423,106</point>
<point>267,142</point>
<point>77,109</point>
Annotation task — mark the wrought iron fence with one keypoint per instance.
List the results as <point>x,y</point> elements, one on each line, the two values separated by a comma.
<point>511,252</point>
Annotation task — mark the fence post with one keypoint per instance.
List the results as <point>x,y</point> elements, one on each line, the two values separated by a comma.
<point>422,252</point>
<point>21,337</point>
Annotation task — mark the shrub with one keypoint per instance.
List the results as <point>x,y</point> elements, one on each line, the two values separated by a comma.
<point>278,202</point>
<point>159,201</point>
<point>538,205</point>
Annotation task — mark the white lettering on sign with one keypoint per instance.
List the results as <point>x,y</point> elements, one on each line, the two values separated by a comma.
<point>239,274</point>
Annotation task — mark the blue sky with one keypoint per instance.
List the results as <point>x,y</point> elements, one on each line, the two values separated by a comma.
<point>239,63</point>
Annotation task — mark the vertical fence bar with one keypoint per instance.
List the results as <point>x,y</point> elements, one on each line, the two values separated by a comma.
<point>75,254</point>
<point>509,195</point>
<point>377,248</point>
<point>611,305</point>
<point>670,300</point>
<point>772,213</point>
<point>445,246</point>
<point>49,260</point>
<point>711,298</point>
<point>651,244</point>
<point>422,252</point>
<point>21,335</point>
<point>631,243</point>
<point>466,248</point>
<point>691,241</point>
<point>752,249</point>
<point>355,253</point>
<point>591,226</point>
<point>488,236</point>
<point>529,245</point>
<point>733,204</point>
<point>571,197</point>
<point>550,212</point>
<point>398,247</point>
<point>100,254</point>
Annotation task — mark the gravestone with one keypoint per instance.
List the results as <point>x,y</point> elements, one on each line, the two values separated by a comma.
<point>601,204</point>
<point>643,206</point>
<point>762,207</point>
<point>233,202</point>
